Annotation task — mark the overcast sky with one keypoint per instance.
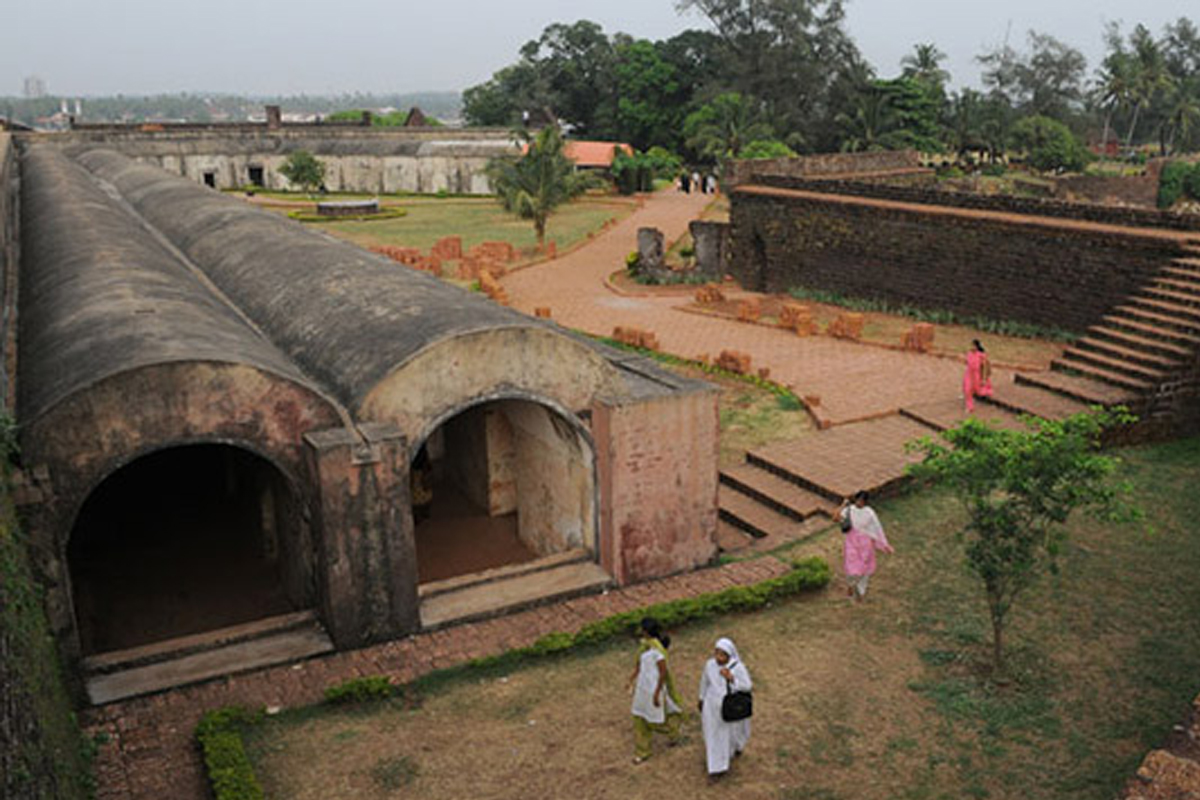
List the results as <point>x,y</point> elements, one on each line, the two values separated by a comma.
<point>98,47</point>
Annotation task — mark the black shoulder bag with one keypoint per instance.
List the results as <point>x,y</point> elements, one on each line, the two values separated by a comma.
<point>846,523</point>
<point>736,705</point>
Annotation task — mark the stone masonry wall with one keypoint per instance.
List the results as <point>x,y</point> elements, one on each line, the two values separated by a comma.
<point>972,264</point>
<point>926,195</point>
<point>745,171</point>
<point>9,253</point>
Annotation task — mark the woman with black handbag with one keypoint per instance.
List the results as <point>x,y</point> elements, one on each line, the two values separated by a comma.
<point>725,707</point>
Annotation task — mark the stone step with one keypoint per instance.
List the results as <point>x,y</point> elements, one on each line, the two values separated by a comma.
<point>278,648</point>
<point>1179,279</point>
<point>745,512</point>
<point>731,538</point>
<point>1167,308</point>
<point>778,493</point>
<point>1152,330</point>
<point>1184,268</point>
<point>1096,373</point>
<point>480,601</point>
<point>178,647</point>
<point>1021,398</point>
<point>433,588</point>
<point>941,415</point>
<point>1161,346</point>
<point>1086,360</point>
<point>1077,387</point>
<point>840,461</point>
<point>1154,319</point>
<point>1170,294</point>
<point>1136,355</point>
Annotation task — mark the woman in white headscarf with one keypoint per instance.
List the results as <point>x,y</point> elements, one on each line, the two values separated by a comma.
<point>723,673</point>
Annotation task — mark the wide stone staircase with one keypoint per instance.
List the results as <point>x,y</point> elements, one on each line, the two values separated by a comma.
<point>1146,345</point>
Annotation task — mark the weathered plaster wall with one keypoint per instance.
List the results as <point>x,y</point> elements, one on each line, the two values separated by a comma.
<point>555,480</point>
<point>87,437</point>
<point>357,159</point>
<point>658,471</point>
<point>970,262</point>
<point>535,362</point>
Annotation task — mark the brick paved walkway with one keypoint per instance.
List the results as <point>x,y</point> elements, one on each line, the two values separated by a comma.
<point>853,381</point>
<point>150,753</point>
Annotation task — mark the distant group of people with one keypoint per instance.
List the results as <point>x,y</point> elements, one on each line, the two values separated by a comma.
<point>706,184</point>
<point>724,701</point>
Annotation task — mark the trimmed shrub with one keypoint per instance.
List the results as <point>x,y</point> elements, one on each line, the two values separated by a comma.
<point>360,690</point>
<point>230,772</point>
<point>1171,183</point>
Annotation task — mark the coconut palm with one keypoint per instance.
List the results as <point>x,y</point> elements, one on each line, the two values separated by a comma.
<point>538,182</point>
<point>924,64</point>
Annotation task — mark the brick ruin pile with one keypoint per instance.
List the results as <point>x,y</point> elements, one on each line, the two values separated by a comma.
<point>489,258</point>
<point>798,318</point>
<point>635,337</point>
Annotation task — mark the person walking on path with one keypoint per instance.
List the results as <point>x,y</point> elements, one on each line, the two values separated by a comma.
<point>863,536</point>
<point>656,702</point>
<point>723,741</point>
<point>977,378</point>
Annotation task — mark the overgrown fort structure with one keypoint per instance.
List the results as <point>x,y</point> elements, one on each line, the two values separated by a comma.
<point>224,419</point>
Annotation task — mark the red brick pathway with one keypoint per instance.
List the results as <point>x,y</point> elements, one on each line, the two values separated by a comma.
<point>150,753</point>
<point>854,381</point>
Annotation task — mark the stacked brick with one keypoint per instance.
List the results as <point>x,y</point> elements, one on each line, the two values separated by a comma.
<point>635,337</point>
<point>847,325</point>
<point>749,310</point>
<point>734,361</point>
<point>502,252</point>
<point>919,339</point>
<point>447,249</point>
<point>709,294</point>
<point>798,318</point>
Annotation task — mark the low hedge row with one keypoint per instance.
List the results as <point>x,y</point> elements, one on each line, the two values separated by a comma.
<point>230,773</point>
<point>383,213</point>
<point>219,734</point>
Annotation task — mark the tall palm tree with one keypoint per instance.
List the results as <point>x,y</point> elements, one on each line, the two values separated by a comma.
<point>1183,115</point>
<point>1114,88</point>
<point>538,182</point>
<point>925,64</point>
<point>1149,75</point>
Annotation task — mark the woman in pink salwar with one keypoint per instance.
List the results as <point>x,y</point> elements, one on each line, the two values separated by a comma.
<point>977,378</point>
<point>863,537</point>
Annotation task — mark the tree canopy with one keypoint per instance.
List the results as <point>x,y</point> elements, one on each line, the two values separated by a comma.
<point>538,182</point>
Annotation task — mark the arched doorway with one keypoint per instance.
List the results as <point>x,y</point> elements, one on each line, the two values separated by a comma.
<point>182,541</point>
<point>502,483</point>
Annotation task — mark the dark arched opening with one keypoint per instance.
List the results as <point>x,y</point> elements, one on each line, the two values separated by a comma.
<point>182,541</point>
<point>501,483</point>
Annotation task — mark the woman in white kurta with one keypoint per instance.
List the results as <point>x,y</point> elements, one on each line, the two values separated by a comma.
<point>655,702</point>
<point>723,740</point>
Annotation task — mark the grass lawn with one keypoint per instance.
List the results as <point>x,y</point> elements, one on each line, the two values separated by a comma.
<point>476,220</point>
<point>884,700</point>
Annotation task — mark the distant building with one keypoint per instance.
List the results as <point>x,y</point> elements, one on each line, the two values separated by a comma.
<point>35,87</point>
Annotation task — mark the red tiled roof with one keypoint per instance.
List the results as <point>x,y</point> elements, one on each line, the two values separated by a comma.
<point>593,154</point>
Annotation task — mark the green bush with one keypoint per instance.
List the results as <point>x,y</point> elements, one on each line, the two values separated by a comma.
<point>765,149</point>
<point>996,170</point>
<point>1191,182</point>
<point>1049,145</point>
<point>360,690</point>
<point>230,773</point>
<point>1171,183</point>
<point>631,261</point>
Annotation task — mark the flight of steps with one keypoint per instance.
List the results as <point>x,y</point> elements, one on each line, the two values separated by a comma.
<point>1139,346</point>
<point>760,509</point>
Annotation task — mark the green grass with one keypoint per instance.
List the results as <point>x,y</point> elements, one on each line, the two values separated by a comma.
<point>479,221</point>
<point>47,755</point>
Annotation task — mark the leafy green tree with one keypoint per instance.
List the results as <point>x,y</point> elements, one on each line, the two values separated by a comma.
<point>766,148</point>
<point>1048,80</point>
<point>538,182</point>
<point>1049,145</point>
<point>794,56</point>
<point>721,128</point>
<point>575,65</point>
<point>650,98</point>
<point>303,169</point>
<point>1019,488</point>
<point>500,101</point>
